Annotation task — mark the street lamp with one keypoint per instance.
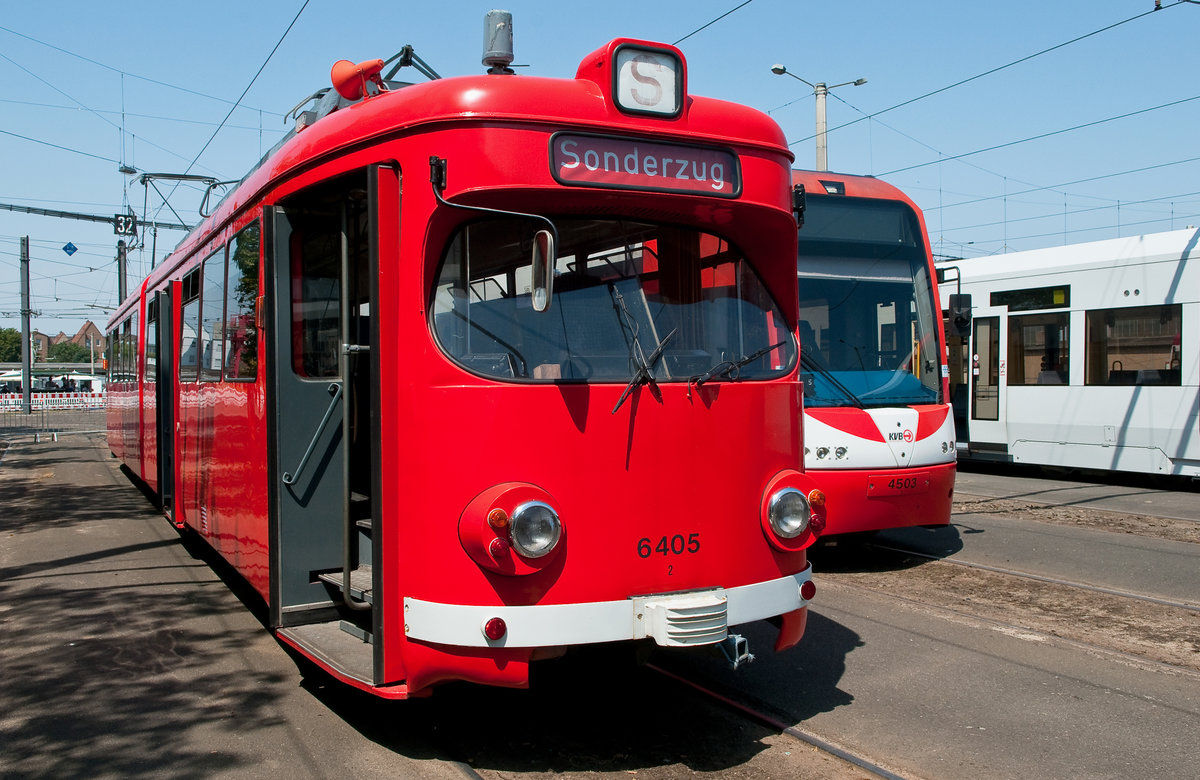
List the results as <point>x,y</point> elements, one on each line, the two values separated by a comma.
<point>820,89</point>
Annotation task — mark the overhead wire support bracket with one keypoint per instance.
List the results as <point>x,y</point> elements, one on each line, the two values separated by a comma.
<point>407,57</point>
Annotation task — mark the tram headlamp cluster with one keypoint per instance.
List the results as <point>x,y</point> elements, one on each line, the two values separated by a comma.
<point>793,512</point>
<point>788,513</point>
<point>839,453</point>
<point>534,529</point>
<point>512,528</point>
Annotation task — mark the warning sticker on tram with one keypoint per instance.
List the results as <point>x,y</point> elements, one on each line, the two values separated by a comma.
<point>637,164</point>
<point>897,484</point>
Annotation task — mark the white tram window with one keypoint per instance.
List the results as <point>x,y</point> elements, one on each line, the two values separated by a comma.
<point>1038,349</point>
<point>1139,345</point>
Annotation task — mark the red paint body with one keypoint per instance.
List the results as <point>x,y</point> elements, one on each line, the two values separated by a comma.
<point>693,464</point>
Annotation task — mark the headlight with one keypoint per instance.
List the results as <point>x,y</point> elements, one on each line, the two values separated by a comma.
<point>788,513</point>
<point>534,529</point>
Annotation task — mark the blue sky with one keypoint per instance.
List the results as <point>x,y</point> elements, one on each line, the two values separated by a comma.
<point>85,86</point>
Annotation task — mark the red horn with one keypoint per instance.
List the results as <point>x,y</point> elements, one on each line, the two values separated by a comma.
<point>350,80</point>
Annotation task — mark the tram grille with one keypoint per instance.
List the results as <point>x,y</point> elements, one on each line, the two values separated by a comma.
<point>683,620</point>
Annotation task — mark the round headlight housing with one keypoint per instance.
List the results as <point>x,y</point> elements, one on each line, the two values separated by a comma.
<point>534,529</point>
<point>788,513</point>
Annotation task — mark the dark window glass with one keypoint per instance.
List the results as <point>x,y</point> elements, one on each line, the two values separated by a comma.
<point>1139,345</point>
<point>316,303</point>
<point>868,323</point>
<point>622,291</point>
<point>151,372</point>
<point>241,330</point>
<point>189,328</point>
<point>1038,350</point>
<point>1034,298</point>
<point>212,307</point>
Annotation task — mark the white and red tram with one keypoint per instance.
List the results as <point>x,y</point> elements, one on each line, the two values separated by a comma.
<point>877,423</point>
<point>472,371</point>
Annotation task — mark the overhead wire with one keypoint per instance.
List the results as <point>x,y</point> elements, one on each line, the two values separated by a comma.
<point>711,23</point>
<point>997,69</point>
<point>249,85</point>
<point>1042,135</point>
<point>118,70</point>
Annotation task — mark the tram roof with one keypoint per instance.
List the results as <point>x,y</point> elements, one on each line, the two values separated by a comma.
<point>530,100</point>
<point>1167,246</point>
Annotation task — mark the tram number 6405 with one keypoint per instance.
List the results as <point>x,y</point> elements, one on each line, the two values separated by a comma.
<point>669,545</point>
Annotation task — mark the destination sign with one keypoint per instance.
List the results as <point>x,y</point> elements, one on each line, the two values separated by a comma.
<point>636,164</point>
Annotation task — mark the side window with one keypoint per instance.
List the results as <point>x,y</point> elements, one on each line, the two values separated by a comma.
<point>212,308</point>
<point>126,350</point>
<point>241,297</point>
<point>1038,349</point>
<point>316,303</point>
<point>189,328</point>
<point>1139,345</point>
<point>151,372</point>
<point>110,353</point>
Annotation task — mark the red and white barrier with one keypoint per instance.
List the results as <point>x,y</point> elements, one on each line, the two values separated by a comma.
<point>11,402</point>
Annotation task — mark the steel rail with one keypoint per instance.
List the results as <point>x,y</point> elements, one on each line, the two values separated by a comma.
<point>1042,578</point>
<point>799,734</point>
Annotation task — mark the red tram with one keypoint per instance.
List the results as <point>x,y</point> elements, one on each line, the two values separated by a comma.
<point>877,424</point>
<point>472,371</point>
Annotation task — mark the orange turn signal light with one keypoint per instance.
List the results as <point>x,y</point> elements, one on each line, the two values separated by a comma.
<point>816,498</point>
<point>497,518</point>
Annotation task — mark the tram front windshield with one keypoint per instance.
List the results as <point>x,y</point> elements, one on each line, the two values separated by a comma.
<point>867,330</point>
<point>629,298</point>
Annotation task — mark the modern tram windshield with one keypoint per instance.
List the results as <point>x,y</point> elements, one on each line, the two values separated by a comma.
<point>867,330</point>
<point>629,298</point>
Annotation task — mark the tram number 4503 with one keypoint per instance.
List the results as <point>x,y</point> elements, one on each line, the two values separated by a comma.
<point>668,545</point>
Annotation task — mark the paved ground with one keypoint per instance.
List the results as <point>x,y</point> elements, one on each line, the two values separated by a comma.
<point>124,656</point>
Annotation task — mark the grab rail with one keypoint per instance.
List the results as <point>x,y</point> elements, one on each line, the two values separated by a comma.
<point>289,477</point>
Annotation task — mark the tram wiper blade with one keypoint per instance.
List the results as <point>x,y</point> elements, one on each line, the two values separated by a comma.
<point>811,364</point>
<point>730,368</point>
<point>644,372</point>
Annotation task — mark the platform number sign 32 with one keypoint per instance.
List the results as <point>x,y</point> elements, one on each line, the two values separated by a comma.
<point>125,224</point>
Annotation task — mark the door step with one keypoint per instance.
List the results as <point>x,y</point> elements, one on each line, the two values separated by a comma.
<point>361,585</point>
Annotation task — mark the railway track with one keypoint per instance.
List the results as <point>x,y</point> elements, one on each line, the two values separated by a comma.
<point>756,711</point>
<point>1190,606</point>
<point>1132,625</point>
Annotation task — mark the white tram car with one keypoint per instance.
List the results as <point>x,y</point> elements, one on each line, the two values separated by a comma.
<point>1082,356</point>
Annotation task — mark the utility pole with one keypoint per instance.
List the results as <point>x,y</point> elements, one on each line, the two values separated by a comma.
<point>26,311</point>
<point>821,91</point>
<point>120,271</point>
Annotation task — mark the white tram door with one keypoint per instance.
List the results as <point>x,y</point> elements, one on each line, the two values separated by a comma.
<point>987,426</point>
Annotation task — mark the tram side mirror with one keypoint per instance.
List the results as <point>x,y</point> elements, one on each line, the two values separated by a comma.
<point>960,315</point>
<point>545,257</point>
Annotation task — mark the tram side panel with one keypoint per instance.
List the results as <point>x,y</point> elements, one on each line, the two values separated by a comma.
<point>1098,366</point>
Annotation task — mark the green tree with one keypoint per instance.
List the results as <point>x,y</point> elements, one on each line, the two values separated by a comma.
<point>67,352</point>
<point>10,345</point>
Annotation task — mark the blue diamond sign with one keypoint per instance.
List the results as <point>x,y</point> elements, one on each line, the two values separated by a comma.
<point>70,249</point>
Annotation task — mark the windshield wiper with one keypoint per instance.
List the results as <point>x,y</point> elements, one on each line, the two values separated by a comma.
<point>811,364</point>
<point>644,372</point>
<point>732,368</point>
<point>643,366</point>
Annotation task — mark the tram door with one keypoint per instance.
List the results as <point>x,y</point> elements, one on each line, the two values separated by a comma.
<point>987,429</point>
<point>164,391</point>
<point>321,258</point>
